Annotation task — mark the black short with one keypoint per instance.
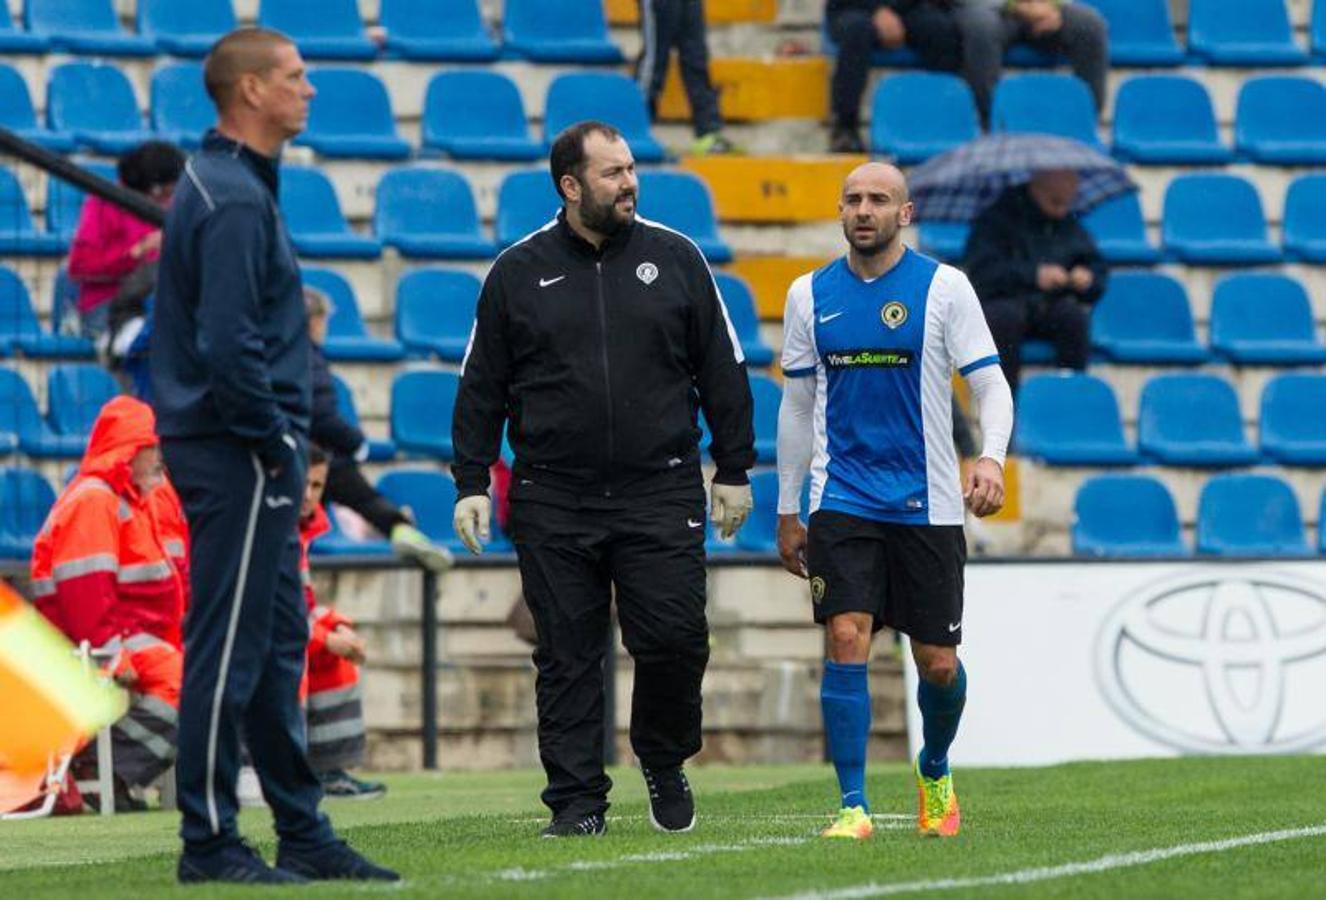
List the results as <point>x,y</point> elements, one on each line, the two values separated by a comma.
<point>909,577</point>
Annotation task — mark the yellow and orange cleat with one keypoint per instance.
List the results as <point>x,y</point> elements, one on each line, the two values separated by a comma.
<point>937,805</point>
<point>852,822</point>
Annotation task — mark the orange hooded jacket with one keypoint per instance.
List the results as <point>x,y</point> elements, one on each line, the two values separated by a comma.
<point>325,671</point>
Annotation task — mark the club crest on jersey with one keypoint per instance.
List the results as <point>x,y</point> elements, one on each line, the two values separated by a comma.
<point>893,314</point>
<point>646,272</point>
<point>816,590</point>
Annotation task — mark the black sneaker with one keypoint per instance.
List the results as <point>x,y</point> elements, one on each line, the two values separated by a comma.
<point>844,139</point>
<point>340,783</point>
<point>671,804</point>
<point>237,863</point>
<point>332,862</point>
<point>592,825</point>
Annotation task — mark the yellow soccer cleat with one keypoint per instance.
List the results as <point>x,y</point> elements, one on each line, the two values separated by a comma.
<point>852,822</point>
<point>937,804</point>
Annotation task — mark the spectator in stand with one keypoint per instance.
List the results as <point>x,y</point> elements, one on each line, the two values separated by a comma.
<point>110,243</point>
<point>1036,270</point>
<point>665,24</point>
<point>348,447</point>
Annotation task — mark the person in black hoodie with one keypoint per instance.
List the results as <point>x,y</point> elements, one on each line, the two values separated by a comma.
<point>1036,270</point>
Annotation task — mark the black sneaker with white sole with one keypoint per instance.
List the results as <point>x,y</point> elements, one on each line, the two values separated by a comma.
<point>671,804</point>
<point>591,825</point>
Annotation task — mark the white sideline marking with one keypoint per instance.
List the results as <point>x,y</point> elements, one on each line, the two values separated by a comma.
<point>660,856</point>
<point>1085,867</point>
<point>789,817</point>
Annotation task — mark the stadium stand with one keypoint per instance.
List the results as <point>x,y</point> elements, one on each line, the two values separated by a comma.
<point>1281,121</point>
<point>1125,516</point>
<point>760,533</point>
<point>1243,33</point>
<point>421,405</point>
<point>25,499</point>
<point>945,240</point>
<point>351,117</point>
<point>1293,429</point>
<point>1119,231</point>
<point>75,393</point>
<point>1249,515</point>
<point>17,113</point>
<point>428,494</point>
<point>184,28</point>
<point>741,312</point>
<point>768,396</point>
<point>1192,420</point>
<point>181,110</point>
<point>64,202</point>
<point>1304,225</point>
<point>19,235</point>
<point>437,30</point>
<point>1166,120</point>
<point>681,201</point>
<point>1144,318</point>
<point>379,450</point>
<point>526,201</point>
<point>1317,31</point>
<point>322,29</point>
<point>1216,219</point>
<point>347,337</point>
<point>1264,318</point>
<point>429,213</point>
<point>14,41</point>
<point>21,332</point>
<point>95,103</point>
<point>1141,32</point>
<point>918,115</point>
<point>20,418</point>
<point>313,214</point>
<point>558,31</point>
<point>477,114</point>
<point>435,312</point>
<point>84,27</point>
<point>608,97</point>
<point>1070,419</point>
<point>1045,103</point>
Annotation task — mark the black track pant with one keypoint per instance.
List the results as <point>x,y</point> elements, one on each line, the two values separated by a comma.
<point>570,560</point>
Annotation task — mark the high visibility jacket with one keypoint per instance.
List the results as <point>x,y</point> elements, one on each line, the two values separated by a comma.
<point>326,671</point>
<point>174,530</point>
<point>100,568</point>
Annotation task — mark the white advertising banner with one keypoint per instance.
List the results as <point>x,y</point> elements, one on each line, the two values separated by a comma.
<point>1070,661</point>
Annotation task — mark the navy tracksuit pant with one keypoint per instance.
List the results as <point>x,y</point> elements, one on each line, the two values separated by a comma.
<point>245,639</point>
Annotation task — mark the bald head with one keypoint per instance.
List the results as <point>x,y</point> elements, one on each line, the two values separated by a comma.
<point>244,51</point>
<point>877,176</point>
<point>874,208</point>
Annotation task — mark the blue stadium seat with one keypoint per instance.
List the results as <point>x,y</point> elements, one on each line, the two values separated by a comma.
<point>1192,420</point>
<point>1242,33</point>
<point>322,29</point>
<point>378,450</point>
<point>21,331</point>
<point>18,235</point>
<point>768,397</point>
<point>337,543</point>
<point>83,26</point>
<point>918,115</point>
<point>181,110</point>
<point>741,311</point>
<point>436,30</point>
<point>1125,515</point>
<point>429,213</point>
<point>347,338</point>
<point>25,500</point>
<point>1264,318</point>
<point>351,117</point>
<point>1119,231</point>
<point>477,114</point>
<point>1281,121</point>
<point>20,421</point>
<point>64,202</point>
<point>13,40</point>
<point>185,27</point>
<point>607,96</point>
<point>17,113</point>
<point>558,31</point>
<point>1249,515</point>
<point>1215,219</point>
<point>943,240</point>
<point>1045,103</point>
<point>1304,220</point>
<point>1166,120</point>
<point>1141,33</point>
<point>430,496</point>
<point>1317,34</point>
<point>1293,429</point>
<point>435,311</point>
<point>1071,420</point>
<point>422,402</point>
<point>760,533</point>
<point>75,394</point>
<point>526,201</point>
<point>1144,318</point>
<point>681,201</point>
<point>314,217</point>
<point>95,103</point>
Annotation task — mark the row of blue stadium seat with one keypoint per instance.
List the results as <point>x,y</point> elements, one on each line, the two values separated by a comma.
<point>434,30</point>
<point>1183,420</point>
<point>468,114</point>
<point>75,394</point>
<point>1158,119</point>
<point>1237,515</point>
<point>1208,219</point>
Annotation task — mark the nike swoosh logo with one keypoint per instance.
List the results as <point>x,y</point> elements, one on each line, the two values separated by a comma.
<point>693,524</point>
<point>277,502</point>
<point>953,628</point>
<point>830,317</point>
<point>544,282</point>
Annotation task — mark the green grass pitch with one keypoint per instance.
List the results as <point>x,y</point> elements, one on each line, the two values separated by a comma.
<point>1229,828</point>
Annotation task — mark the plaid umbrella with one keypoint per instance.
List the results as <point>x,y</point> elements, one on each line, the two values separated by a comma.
<point>960,184</point>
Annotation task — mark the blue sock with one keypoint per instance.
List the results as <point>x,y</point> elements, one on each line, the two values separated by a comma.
<point>845,703</point>
<point>941,708</point>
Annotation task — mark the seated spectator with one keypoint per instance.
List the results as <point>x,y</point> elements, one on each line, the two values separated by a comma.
<point>335,652</point>
<point>110,243</point>
<point>665,24</point>
<point>348,447</point>
<point>1036,269</point>
<point>102,572</point>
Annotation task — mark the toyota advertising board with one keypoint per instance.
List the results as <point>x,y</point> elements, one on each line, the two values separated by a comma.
<point>1079,660</point>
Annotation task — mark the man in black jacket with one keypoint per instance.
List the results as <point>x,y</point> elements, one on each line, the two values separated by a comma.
<point>1036,270</point>
<point>597,340</point>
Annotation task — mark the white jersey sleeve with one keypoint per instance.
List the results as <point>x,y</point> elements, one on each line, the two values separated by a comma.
<point>966,335</point>
<point>800,357</point>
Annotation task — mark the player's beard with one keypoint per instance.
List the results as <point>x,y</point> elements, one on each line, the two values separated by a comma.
<point>604,218</point>
<point>884,237</point>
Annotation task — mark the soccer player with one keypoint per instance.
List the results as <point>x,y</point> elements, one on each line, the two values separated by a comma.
<point>870,344</point>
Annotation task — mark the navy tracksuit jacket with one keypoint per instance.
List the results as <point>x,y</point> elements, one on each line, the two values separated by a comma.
<point>230,376</point>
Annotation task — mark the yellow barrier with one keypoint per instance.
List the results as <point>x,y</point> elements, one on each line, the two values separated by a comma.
<point>769,278</point>
<point>716,12</point>
<point>754,90</point>
<point>774,188</point>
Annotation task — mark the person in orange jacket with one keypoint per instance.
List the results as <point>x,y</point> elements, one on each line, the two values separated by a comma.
<point>102,573</point>
<point>334,703</point>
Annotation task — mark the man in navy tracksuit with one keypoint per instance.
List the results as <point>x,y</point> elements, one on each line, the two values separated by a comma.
<point>230,372</point>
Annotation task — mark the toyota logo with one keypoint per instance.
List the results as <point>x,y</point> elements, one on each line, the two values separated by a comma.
<point>1219,661</point>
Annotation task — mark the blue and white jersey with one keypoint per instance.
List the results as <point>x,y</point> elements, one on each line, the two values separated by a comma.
<point>883,353</point>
